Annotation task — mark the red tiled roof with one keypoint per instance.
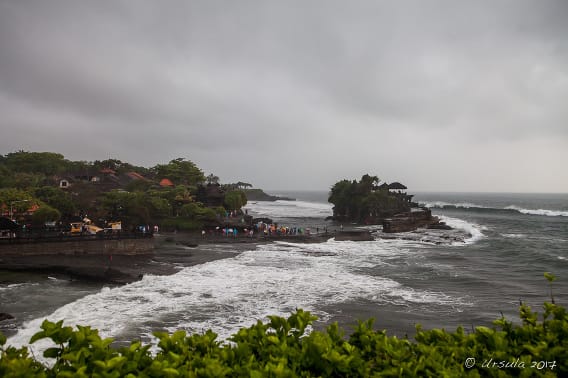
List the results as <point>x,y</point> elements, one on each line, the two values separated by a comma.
<point>166,182</point>
<point>136,176</point>
<point>33,208</point>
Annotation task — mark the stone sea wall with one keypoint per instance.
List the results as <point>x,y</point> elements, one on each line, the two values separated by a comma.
<point>142,246</point>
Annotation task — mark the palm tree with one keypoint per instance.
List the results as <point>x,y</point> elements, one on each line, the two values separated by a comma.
<point>212,179</point>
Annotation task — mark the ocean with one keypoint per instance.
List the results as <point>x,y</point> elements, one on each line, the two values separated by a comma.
<point>505,244</point>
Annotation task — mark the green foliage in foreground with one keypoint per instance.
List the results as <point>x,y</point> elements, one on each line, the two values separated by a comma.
<point>282,348</point>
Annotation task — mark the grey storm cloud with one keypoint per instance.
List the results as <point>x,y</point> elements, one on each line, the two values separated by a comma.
<point>441,95</point>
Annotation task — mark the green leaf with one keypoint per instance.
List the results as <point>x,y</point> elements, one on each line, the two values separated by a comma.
<point>171,372</point>
<point>51,352</point>
<point>38,336</point>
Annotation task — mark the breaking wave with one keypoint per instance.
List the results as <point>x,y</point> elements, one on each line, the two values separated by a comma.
<point>474,230</point>
<point>225,295</point>
<point>448,205</point>
<point>544,212</point>
<point>290,209</point>
<point>507,209</point>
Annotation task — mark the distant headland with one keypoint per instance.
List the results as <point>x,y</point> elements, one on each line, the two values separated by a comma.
<point>260,195</point>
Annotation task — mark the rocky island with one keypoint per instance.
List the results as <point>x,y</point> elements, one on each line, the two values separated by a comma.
<point>367,202</point>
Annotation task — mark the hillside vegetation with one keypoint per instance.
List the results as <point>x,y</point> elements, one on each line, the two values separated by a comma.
<point>39,187</point>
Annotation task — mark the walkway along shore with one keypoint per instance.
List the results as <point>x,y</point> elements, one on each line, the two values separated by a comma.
<point>121,259</point>
<point>114,258</point>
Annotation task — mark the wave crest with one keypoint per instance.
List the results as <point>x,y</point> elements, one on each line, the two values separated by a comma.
<point>510,208</point>
<point>543,212</point>
<point>473,229</point>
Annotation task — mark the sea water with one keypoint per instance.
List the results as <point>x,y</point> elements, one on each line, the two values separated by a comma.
<point>509,241</point>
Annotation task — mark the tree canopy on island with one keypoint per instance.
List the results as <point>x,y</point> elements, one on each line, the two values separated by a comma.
<point>366,201</point>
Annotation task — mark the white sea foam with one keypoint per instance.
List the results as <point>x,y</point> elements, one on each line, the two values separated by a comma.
<point>543,212</point>
<point>514,236</point>
<point>290,209</point>
<point>442,204</point>
<point>17,286</point>
<point>467,205</point>
<point>225,295</point>
<point>473,229</point>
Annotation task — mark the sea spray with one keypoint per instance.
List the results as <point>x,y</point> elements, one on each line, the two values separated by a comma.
<point>474,230</point>
<point>228,294</point>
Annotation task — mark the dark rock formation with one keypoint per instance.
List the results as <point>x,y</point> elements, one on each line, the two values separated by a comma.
<point>4,316</point>
<point>412,220</point>
<point>354,235</point>
<point>439,226</point>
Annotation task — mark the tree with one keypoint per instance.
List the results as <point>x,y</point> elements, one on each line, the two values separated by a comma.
<point>212,179</point>
<point>138,186</point>
<point>179,171</point>
<point>15,200</point>
<point>26,180</point>
<point>47,163</point>
<point>119,166</point>
<point>6,176</point>
<point>243,185</point>
<point>176,197</point>
<point>45,214</point>
<point>159,207</point>
<point>85,198</point>
<point>57,199</point>
<point>235,200</point>
<point>195,210</point>
<point>340,196</point>
<point>113,164</point>
<point>367,184</point>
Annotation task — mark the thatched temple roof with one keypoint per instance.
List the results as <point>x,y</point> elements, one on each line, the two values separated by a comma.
<point>397,186</point>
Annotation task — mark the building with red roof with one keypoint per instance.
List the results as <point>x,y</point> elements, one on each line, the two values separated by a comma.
<point>166,182</point>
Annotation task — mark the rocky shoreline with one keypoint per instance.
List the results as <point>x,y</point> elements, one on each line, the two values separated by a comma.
<point>176,250</point>
<point>171,251</point>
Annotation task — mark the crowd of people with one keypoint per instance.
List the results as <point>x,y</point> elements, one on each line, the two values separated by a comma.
<point>259,229</point>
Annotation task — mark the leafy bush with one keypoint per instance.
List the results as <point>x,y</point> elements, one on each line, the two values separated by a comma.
<point>44,214</point>
<point>181,224</point>
<point>283,348</point>
<point>236,199</point>
<point>196,210</point>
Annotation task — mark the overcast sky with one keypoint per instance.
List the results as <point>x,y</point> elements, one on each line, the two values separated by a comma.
<point>439,95</point>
